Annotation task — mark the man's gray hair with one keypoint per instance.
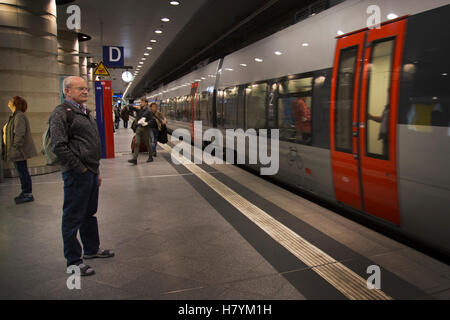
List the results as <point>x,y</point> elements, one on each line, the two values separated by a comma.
<point>67,83</point>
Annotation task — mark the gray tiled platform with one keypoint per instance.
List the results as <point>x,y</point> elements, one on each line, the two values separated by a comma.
<point>170,242</point>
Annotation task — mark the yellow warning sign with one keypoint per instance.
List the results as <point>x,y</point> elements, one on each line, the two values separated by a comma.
<point>101,70</point>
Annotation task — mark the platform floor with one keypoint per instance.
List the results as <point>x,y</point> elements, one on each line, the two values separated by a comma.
<point>175,237</point>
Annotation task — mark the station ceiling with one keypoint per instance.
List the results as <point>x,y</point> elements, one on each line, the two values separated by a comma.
<point>198,31</point>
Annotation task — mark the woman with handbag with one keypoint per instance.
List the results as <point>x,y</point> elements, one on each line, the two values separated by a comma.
<point>19,146</point>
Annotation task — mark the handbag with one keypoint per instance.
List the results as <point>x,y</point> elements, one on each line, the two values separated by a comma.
<point>162,136</point>
<point>134,125</point>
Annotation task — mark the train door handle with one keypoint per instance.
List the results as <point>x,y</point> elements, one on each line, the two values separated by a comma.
<point>356,156</point>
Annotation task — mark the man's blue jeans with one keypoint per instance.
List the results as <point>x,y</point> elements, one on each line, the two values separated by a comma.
<point>80,206</point>
<point>154,132</point>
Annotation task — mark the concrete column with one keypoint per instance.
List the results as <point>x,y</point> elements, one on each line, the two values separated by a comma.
<point>91,86</point>
<point>68,54</point>
<point>28,66</point>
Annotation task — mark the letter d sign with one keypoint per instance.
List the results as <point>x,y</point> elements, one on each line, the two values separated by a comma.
<point>113,56</point>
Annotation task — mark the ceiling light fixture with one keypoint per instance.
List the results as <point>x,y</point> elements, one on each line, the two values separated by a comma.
<point>278,53</point>
<point>153,41</point>
<point>392,16</point>
<point>165,19</point>
<point>149,48</point>
<point>174,3</point>
<point>340,33</point>
<point>259,60</point>
<point>305,44</point>
<point>158,31</point>
<point>146,54</point>
<point>243,65</point>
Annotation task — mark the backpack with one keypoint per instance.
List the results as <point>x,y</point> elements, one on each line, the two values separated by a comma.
<point>51,158</point>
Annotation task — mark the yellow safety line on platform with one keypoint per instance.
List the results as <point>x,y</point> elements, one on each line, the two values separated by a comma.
<point>339,276</point>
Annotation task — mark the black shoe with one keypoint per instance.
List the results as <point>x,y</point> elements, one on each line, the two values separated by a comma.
<point>85,270</point>
<point>23,198</point>
<point>150,160</point>
<point>133,161</point>
<point>101,253</point>
<point>154,154</point>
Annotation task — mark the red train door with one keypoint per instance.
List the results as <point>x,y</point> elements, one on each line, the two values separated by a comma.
<point>364,110</point>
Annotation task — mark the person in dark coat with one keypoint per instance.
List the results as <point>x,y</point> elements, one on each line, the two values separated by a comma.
<point>19,146</point>
<point>144,117</point>
<point>78,148</point>
<point>125,116</point>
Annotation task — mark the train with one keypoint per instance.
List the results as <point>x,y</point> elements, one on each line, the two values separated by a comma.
<point>363,110</point>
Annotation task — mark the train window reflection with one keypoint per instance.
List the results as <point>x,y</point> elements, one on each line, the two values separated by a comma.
<point>230,105</point>
<point>255,111</point>
<point>344,99</point>
<point>380,75</point>
<point>294,110</point>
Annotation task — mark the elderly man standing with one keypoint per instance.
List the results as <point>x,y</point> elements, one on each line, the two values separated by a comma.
<point>75,141</point>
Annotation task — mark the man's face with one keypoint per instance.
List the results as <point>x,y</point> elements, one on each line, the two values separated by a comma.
<point>154,108</point>
<point>143,104</point>
<point>78,91</point>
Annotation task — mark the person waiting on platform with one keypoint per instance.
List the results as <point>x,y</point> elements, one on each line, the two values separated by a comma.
<point>76,142</point>
<point>125,114</point>
<point>144,117</point>
<point>156,125</point>
<point>117,116</point>
<point>19,146</point>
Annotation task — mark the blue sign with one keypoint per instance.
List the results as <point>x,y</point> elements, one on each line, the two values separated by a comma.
<point>113,56</point>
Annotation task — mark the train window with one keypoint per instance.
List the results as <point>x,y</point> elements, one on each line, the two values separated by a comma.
<point>344,99</point>
<point>377,119</point>
<point>219,108</point>
<point>230,107</point>
<point>255,102</point>
<point>204,108</point>
<point>294,110</point>
<point>321,108</point>
<point>424,95</point>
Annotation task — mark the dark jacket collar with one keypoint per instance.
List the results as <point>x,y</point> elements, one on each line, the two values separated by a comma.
<point>75,108</point>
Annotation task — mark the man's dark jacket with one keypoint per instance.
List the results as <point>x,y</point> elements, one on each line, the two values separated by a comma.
<point>146,113</point>
<point>78,147</point>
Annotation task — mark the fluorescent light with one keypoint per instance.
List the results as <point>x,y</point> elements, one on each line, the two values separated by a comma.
<point>278,53</point>
<point>259,60</point>
<point>174,3</point>
<point>229,69</point>
<point>158,31</point>
<point>143,59</point>
<point>141,62</point>
<point>392,16</point>
<point>146,54</point>
<point>340,33</point>
<point>149,48</point>
<point>243,65</point>
<point>305,44</point>
<point>165,19</point>
<point>153,41</point>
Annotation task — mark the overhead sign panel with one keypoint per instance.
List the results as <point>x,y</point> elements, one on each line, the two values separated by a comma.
<point>113,56</point>
<point>101,70</point>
